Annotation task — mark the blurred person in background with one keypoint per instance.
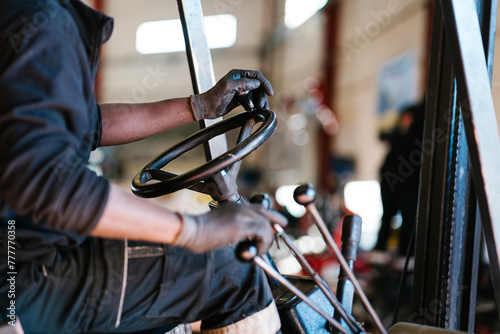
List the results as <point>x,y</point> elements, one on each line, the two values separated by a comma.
<point>400,176</point>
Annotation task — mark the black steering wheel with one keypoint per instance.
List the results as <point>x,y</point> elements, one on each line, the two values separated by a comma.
<point>247,142</point>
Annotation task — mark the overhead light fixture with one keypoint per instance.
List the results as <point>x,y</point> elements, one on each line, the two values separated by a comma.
<point>299,11</point>
<point>167,35</point>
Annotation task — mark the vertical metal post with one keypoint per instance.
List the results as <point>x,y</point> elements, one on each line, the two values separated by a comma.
<point>426,298</point>
<point>200,64</point>
<point>460,139</point>
<point>473,75</point>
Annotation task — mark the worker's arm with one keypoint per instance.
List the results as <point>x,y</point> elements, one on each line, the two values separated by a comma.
<point>126,216</point>
<point>124,123</point>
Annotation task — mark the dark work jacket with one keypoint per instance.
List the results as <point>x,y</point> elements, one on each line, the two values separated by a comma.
<point>49,123</point>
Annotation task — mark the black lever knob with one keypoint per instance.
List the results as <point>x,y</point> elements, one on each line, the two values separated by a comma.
<point>351,236</point>
<point>246,251</point>
<point>262,199</point>
<point>304,194</point>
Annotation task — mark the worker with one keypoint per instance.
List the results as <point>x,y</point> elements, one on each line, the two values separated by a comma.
<point>79,254</point>
<point>400,175</point>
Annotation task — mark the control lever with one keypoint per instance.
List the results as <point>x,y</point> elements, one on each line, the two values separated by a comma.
<point>349,320</point>
<point>305,195</point>
<point>351,236</point>
<point>265,201</point>
<point>245,252</point>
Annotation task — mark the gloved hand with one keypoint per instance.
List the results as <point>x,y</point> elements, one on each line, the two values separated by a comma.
<point>221,99</point>
<point>227,225</point>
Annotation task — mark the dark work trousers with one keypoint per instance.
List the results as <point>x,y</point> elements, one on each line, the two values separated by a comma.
<point>84,290</point>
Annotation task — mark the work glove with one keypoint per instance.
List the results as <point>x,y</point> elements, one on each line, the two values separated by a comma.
<point>223,97</point>
<point>227,225</point>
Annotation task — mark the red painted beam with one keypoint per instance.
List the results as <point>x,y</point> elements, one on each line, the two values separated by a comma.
<point>325,140</point>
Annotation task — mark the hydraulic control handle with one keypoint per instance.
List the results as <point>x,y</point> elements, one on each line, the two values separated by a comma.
<point>351,236</point>
<point>247,252</point>
<point>305,195</point>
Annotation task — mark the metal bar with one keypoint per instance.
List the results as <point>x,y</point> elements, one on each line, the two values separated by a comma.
<point>472,246</point>
<point>430,212</point>
<point>343,264</point>
<point>488,30</point>
<point>339,308</point>
<point>456,226</point>
<point>471,266</point>
<point>261,262</point>
<point>479,119</point>
<point>447,245</point>
<point>200,64</point>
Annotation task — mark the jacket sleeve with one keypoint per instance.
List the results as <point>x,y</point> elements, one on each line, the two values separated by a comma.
<point>48,120</point>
